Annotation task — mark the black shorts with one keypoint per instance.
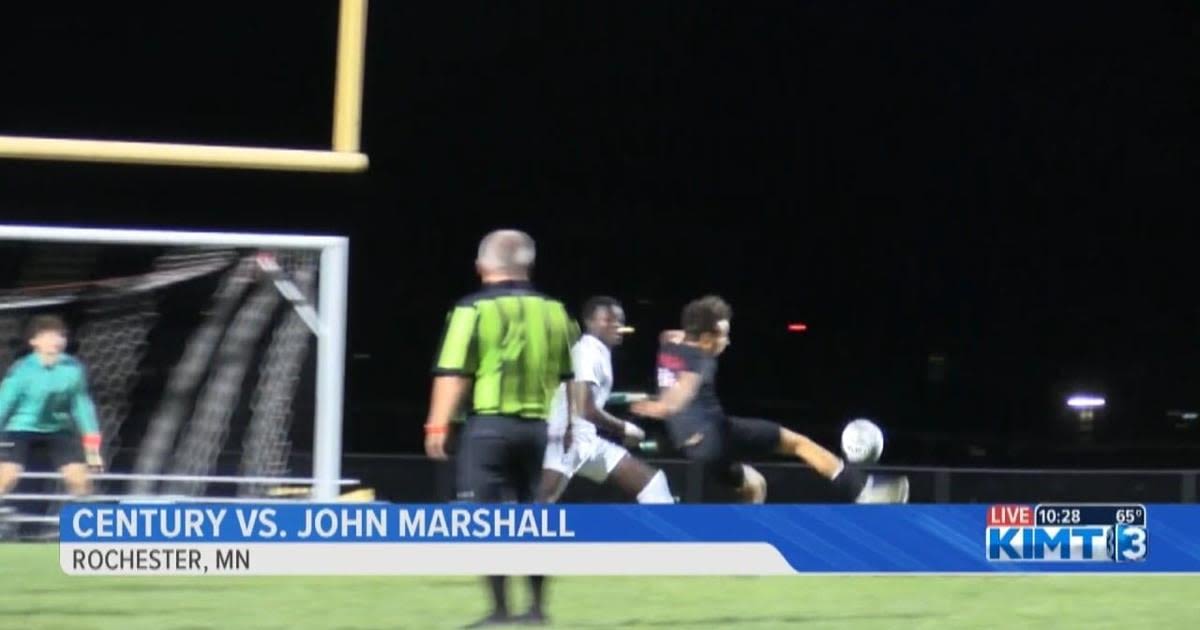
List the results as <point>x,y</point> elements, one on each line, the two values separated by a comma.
<point>64,446</point>
<point>720,445</point>
<point>499,459</point>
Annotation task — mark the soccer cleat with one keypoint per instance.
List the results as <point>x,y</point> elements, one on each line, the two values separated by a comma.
<point>494,619</point>
<point>889,491</point>
<point>531,618</point>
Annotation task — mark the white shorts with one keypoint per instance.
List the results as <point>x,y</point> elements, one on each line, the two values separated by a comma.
<point>592,458</point>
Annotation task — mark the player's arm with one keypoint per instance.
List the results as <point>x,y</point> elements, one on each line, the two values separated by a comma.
<point>578,394</point>
<point>673,400</point>
<point>670,336</point>
<point>448,392</point>
<point>605,420</point>
<point>453,374</point>
<point>10,393</point>
<point>83,410</point>
<point>589,373</point>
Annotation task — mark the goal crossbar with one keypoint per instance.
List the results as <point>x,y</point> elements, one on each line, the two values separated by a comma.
<point>344,156</point>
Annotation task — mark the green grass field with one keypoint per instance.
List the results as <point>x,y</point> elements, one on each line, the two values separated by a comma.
<point>34,594</point>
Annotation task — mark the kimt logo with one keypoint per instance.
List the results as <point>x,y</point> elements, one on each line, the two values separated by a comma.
<point>1061,544</point>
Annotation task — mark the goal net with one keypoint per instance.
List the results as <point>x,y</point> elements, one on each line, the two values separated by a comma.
<point>201,351</point>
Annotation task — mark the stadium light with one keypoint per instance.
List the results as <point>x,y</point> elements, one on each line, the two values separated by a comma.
<point>1086,406</point>
<point>1183,418</point>
<point>1085,401</point>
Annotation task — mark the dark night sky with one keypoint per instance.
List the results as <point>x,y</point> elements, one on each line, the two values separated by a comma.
<point>1006,184</point>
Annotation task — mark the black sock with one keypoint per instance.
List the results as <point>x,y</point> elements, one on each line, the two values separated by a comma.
<point>850,482</point>
<point>537,587</point>
<point>499,596</point>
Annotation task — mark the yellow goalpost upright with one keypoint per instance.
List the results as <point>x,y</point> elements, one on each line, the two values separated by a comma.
<point>344,156</point>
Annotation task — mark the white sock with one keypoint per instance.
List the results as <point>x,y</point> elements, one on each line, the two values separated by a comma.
<point>656,491</point>
<point>754,485</point>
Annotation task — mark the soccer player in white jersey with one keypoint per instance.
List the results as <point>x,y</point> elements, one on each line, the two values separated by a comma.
<point>576,447</point>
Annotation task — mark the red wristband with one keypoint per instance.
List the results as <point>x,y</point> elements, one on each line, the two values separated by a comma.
<point>436,429</point>
<point>92,441</point>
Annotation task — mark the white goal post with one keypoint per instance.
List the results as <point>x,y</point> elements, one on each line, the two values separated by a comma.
<point>328,321</point>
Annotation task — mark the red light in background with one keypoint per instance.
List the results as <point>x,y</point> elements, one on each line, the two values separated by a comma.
<point>797,327</point>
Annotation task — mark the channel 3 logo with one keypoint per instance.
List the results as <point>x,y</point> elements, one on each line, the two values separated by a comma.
<point>1127,543</point>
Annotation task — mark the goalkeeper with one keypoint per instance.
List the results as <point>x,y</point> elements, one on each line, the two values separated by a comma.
<point>43,399</point>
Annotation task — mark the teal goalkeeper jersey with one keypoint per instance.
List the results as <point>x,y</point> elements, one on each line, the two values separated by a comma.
<point>46,399</point>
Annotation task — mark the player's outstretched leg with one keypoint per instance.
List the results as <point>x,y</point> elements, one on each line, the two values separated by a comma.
<point>852,482</point>
<point>639,480</point>
<point>798,445</point>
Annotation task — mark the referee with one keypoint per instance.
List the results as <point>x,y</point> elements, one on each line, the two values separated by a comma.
<point>511,346</point>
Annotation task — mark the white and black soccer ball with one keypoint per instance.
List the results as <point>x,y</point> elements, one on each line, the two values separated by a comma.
<point>862,441</point>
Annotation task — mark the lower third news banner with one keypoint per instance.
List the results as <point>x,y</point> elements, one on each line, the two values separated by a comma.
<point>465,539</point>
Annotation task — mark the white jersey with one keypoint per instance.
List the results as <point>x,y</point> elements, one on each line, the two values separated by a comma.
<point>591,361</point>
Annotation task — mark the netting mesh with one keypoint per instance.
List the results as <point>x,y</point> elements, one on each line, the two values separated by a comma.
<point>267,445</point>
<point>10,332</point>
<point>194,356</point>
<point>113,341</point>
<point>209,426</point>
<point>185,377</point>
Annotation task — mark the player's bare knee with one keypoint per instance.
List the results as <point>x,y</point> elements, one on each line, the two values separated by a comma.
<point>9,474</point>
<point>75,476</point>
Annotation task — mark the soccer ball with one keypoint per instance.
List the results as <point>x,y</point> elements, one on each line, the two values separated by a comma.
<point>862,441</point>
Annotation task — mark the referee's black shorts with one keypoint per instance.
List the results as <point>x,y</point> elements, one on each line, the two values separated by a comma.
<point>499,459</point>
<point>721,445</point>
